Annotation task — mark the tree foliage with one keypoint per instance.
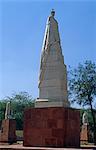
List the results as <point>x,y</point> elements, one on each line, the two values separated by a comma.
<point>2,109</point>
<point>19,102</point>
<point>82,83</point>
<point>82,87</point>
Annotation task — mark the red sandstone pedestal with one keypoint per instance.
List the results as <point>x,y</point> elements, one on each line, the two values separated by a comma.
<point>52,127</point>
<point>84,133</point>
<point>8,131</point>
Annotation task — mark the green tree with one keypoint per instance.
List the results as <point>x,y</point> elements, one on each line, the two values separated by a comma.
<point>19,102</point>
<point>82,87</point>
<point>2,109</point>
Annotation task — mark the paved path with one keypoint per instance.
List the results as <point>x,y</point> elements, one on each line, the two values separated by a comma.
<point>20,147</point>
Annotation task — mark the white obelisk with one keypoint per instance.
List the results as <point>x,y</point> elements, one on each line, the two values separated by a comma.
<point>53,74</point>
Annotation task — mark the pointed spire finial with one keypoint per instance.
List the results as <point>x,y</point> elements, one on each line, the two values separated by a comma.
<point>53,12</point>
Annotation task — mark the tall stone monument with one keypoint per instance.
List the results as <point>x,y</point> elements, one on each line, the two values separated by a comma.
<point>52,122</point>
<point>8,128</point>
<point>53,74</point>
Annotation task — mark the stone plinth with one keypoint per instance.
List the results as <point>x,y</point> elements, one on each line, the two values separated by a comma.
<point>84,133</point>
<point>40,103</point>
<point>52,127</point>
<point>8,130</point>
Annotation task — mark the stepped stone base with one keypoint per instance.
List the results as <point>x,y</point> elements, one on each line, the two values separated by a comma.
<point>84,133</point>
<point>8,130</point>
<point>52,127</point>
<point>40,103</point>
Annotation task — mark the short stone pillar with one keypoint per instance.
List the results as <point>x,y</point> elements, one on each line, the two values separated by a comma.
<point>8,131</point>
<point>84,133</point>
<point>85,128</point>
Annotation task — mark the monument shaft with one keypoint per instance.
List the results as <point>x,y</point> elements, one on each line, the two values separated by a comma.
<point>53,76</point>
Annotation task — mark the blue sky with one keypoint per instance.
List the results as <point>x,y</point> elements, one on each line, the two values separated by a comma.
<point>22,26</point>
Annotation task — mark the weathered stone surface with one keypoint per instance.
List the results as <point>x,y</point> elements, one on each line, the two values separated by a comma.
<point>53,76</point>
<point>50,103</point>
<point>52,127</point>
